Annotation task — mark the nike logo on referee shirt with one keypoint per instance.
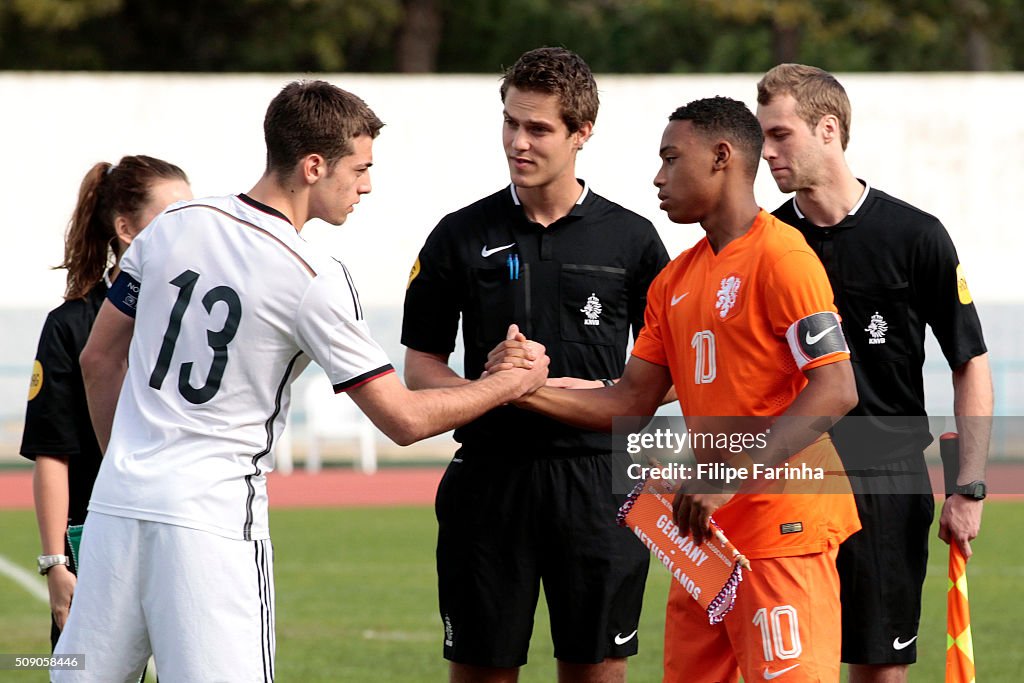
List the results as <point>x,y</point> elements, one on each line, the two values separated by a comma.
<point>485,252</point>
<point>622,640</point>
<point>813,339</point>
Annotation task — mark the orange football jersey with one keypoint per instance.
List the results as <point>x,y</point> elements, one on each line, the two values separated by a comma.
<point>719,322</point>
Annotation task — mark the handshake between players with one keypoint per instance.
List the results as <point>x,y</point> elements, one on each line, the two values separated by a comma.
<point>692,509</point>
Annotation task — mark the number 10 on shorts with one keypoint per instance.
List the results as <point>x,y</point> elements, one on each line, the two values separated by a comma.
<point>780,632</point>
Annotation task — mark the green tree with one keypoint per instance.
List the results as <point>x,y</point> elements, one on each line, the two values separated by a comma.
<point>199,35</point>
<point>483,36</point>
<point>908,35</point>
<point>419,37</point>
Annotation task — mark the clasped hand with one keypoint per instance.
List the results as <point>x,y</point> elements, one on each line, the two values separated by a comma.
<point>518,352</point>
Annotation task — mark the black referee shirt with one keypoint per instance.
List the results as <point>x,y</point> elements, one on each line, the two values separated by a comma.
<point>577,286</point>
<point>57,416</point>
<point>893,269</point>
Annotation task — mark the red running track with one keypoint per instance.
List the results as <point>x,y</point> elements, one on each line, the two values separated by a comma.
<point>328,488</point>
<point>414,486</point>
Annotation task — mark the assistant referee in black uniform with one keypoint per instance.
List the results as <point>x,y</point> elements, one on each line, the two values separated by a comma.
<point>527,499</point>
<point>115,202</point>
<point>58,436</point>
<point>894,270</point>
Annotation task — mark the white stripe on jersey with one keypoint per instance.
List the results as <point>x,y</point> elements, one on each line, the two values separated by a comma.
<point>264,570</point>
<point>232,307</point>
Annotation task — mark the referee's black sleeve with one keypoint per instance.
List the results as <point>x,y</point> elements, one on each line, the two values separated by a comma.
<point>943,297</point>
<point>50,427</point>
<point>652,260</point>
<point>430,320</point>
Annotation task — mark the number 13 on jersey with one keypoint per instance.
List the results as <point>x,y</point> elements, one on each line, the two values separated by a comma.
<point>217,340</point>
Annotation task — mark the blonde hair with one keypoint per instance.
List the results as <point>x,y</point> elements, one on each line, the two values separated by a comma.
<point>816,91</point>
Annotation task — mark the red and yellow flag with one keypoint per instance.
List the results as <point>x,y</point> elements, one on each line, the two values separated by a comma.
<point>959,646</point>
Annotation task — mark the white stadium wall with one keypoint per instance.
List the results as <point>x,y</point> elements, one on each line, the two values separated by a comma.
<point>951,144</point>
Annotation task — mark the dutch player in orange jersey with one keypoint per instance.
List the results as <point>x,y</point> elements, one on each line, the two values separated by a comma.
<point>743,324</point>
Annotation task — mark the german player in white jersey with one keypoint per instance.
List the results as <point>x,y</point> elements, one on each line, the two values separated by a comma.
<point>221,304</point>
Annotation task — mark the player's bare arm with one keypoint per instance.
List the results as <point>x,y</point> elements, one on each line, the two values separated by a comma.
<point>407,416</point>
<point>829,394</point>
<point>104,362</point>
<point>960,520</point>
<point>425,370</point>
<point>577,383</point>
<point>515,352</point>
<point>639,392</point>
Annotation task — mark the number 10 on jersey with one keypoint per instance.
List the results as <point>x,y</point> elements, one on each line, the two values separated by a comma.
<point>704,371</point>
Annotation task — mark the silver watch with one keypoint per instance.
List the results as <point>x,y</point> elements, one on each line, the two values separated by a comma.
<point>48,562</point>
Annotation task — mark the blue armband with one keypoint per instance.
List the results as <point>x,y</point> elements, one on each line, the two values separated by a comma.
<point>124,293</point>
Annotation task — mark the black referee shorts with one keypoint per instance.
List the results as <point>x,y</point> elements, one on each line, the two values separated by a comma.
<point>882,567</point>
<point>507,523</point>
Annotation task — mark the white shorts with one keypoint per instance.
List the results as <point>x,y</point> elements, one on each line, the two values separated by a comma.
<point>201,604</point>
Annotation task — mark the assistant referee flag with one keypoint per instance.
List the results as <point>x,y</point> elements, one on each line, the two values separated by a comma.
<point>959,646</point>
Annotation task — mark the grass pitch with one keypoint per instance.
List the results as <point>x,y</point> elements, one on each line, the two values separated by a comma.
<point>356,600</point>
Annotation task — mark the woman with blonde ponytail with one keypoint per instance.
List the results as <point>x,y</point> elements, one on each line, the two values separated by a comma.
<point>114,204</point>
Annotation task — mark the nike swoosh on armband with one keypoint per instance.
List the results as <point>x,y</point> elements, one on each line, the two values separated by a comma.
<point>813,339</point>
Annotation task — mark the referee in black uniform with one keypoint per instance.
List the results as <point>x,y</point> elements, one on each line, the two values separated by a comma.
<point>115,202</point>
<point>58,433</point>
<point>894,270</point>
<point>527,499</point>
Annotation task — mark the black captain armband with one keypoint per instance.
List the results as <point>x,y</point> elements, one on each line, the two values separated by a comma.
<point>124,293</point>
<point>816,336</point>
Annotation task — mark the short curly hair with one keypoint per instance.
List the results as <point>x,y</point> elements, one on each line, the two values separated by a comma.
<point>560,72</point>
<point>729,118</point>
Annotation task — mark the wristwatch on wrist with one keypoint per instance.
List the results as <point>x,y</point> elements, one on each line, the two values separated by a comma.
<point>48,562</point>
<point>975,490</point>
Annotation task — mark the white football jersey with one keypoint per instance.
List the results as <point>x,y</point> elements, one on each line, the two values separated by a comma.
<point>232,304</point>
